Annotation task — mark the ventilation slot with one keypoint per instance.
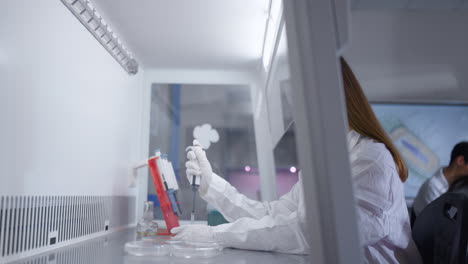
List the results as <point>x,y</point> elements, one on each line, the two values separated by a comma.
<point>93,252</point>
<point>34,223</point>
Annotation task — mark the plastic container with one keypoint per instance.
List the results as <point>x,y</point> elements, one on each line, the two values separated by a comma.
<point>187,249</point>
<point>147,247</point>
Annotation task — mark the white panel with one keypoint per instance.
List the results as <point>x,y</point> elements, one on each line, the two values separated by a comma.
<point>58,85</point>
<point>275,109</point>
<point>264,144</point>
<point>320,119</point>
<point>279,72</point>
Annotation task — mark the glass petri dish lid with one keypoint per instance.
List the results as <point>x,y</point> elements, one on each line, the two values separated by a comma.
<point>147,248</point>
<point>193,249</point>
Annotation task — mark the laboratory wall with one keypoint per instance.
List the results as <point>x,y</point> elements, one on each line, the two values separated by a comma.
<point>410,55</point>
<point>70,115</point>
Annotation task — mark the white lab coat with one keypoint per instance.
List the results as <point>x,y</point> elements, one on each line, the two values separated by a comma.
<point>280,225</point>
<point>431,189</point>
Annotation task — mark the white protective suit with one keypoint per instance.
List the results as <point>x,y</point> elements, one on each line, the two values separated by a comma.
<point>280,225</point>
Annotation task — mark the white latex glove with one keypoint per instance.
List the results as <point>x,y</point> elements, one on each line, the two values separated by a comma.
<point>192,168</point>
<point>199,165</point>
<point>194,233</point>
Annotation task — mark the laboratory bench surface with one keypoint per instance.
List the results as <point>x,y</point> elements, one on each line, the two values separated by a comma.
<point>110,249</point>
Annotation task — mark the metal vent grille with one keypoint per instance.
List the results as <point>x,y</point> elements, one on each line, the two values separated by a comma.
<point>30,223</point>
<point>98,251</point>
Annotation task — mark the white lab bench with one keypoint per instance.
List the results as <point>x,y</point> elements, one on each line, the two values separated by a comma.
<point>110,249</point>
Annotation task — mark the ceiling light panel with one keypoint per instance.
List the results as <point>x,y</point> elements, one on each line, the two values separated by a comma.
<point>88,16</point>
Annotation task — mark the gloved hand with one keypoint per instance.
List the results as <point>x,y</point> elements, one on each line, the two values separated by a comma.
<point>194,233</point>
<point>199,165</point>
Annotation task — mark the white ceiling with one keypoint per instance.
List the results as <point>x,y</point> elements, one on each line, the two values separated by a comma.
<point>202,34</point>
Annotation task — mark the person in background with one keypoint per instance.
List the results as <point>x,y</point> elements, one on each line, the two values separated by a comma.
<point>460,185</point>
<point>378,173</point>
<point>439,183</point>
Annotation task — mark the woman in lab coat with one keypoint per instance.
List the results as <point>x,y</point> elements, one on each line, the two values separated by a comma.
<point>378,173</point>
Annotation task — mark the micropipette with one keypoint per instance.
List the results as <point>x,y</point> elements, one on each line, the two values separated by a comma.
<point>194,184</point>
<point>194,192</point>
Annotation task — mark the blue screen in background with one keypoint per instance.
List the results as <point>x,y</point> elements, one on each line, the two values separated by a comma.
<point>425,135</point>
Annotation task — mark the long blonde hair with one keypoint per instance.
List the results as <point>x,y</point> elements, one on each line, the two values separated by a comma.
<point>362,119</point>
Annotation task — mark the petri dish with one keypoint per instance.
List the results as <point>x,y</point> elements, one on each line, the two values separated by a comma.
<point>147,248</point>
<point>192,249</point>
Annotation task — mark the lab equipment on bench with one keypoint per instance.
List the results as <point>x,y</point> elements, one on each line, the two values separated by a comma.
<point>164,181</point>
<point>170,217</point>
<point>170,183</point>
<point>195,181</point>
<point>147,227</point>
